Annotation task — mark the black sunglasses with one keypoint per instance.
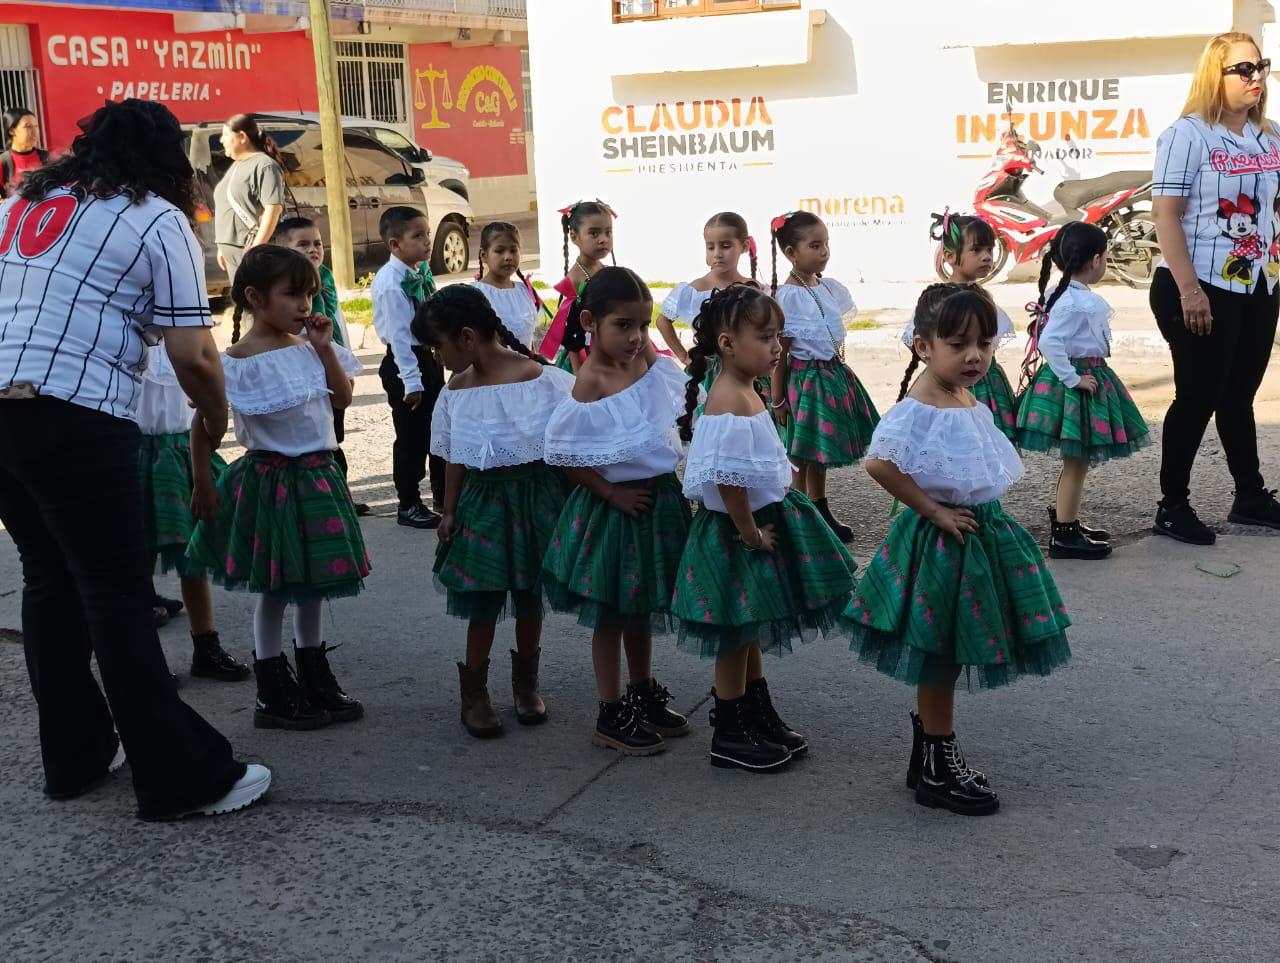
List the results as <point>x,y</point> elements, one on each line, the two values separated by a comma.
<point>1247,71</point>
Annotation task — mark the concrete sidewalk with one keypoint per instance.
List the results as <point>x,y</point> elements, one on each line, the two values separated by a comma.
<point>1138,820</point>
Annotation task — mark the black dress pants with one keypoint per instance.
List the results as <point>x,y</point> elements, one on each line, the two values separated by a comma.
<point>71,498</point>
<point>410,452</point>
<point>1215,375</point>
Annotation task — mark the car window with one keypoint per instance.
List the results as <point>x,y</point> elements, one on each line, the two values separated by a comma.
<point>374,165</point>
<point>393,139</point>
<point>304,158</point>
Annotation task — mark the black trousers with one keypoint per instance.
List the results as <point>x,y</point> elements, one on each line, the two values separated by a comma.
<point>340,432</point>
<point>71,498</point>
<point>1215,375</point>
<point>409,454</point>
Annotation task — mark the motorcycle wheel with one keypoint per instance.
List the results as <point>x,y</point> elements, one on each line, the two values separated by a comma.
<point>999,255</point>
<point>1132,255</point>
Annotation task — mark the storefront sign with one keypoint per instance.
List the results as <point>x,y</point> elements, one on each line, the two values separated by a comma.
<point>468,103</point>
<point>96,56</point>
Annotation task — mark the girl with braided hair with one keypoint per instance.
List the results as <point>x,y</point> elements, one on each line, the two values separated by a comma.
<point>761,568</point>
<point>823,408</point>
<point>958,588</point>
<point>589,225</point>
<point>1074,402</point>
<point>501,501</point>
<point>504,284</point>
<point>967,245</point>
<point>615,553</point>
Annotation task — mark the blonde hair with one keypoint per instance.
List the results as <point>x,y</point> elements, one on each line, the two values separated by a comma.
<point>1206,98</point>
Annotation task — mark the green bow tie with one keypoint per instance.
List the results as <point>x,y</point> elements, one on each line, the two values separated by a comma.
<point>419,284</point>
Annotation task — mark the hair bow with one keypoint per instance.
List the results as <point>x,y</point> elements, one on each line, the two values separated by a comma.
<point>1243,205</point>
<point>751,246</point>
<point>776,224</point>
<point>566,211</point>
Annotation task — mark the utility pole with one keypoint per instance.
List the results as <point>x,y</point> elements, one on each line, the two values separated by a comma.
<point>335,159</point>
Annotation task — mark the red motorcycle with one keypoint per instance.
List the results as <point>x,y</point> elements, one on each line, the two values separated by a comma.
<point>1023,227</point>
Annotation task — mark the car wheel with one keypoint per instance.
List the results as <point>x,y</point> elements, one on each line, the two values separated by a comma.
<point>452,252</point>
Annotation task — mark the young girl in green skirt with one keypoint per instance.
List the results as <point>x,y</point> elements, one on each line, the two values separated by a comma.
<point>826,413</point>
<point>958,589</point>
<point>279,522</point>
<point>1074,401</point>
<point>501,500</point>
<point>589,225</point>
<point>168,478</point>
<point>761,568</point>
<point>968,243</point>
<point>614,555</point>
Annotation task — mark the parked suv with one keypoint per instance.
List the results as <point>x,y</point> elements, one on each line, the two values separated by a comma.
<point>376,178</point>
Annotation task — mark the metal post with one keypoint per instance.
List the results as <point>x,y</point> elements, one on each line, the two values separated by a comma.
<point>335,160</point>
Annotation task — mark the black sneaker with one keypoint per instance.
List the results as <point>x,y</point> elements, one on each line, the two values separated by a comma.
<point>1097,534</point>
<point>947,783</point>
<point>417,516</point>
<point>1260,509</point>
<point>650,701</point>
<point>618,726</point>
<point>770,723</point>
<point>1068,541</point>
<point>1179,521</point>
<point>738,742</point>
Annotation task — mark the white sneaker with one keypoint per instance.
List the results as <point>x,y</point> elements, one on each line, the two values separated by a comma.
<point>248,790</point>
<point>118,759</point>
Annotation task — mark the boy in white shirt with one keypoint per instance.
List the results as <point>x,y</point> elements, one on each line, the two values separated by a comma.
<point>411,376</point>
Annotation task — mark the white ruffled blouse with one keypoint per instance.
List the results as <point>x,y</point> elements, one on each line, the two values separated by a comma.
<point>955,455</point>
<point>516,307</point>
<point>815,327</point>
<point>162,404</point>
<point>281,399</point>
<point>737,450</point>
<point>627,436</point>
<point>1004,329</point>
<point>684,302</point>
<point>497,426</point>
<point>1079,326</point>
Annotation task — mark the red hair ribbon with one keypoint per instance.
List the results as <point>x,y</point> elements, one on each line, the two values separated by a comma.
<point>776,224</point>
<point>751,245</point>
<point>566,211</point>
<point>1243,205</point>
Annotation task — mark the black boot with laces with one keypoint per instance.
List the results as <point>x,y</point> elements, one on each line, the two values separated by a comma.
<point>947,783</point>
<point>209,660</point>
<point>281,702</point>
<point>650,698</point>
<point>771,725</point>
<point>738,742</point>
<point>322,689</point>
<point>620,726</point>
<point>916,762</point>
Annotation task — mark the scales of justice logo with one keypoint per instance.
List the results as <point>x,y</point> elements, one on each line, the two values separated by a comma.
<point>485,87</point>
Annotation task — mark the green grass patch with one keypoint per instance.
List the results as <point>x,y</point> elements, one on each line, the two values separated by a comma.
<point>358,311</point>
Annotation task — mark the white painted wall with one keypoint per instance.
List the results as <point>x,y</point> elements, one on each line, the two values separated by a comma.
<point>873,124</point>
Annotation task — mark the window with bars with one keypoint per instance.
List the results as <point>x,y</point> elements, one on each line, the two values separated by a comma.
<point>528,90</point>
<point>667,9</point>
<point>371,80</point>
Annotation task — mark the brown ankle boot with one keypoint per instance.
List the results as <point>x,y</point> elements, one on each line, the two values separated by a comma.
<point>530,709</point>
<point>477,711</point>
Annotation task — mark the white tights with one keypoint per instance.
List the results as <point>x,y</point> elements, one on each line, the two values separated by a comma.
<point>268,624</point>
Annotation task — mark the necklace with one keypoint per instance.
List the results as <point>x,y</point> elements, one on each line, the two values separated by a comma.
<point>837,346</point>
<point>582,267</point>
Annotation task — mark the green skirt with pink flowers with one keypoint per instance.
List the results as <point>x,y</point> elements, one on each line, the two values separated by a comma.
<point>286,525</point>
<point>994,391</point>
<point>608,567</point>
<point>492,565</point>
<point>164,468</point>
<point>931,610</point>
<point>1087,427</point>
<point>728,596</point>
<point>832,416</point>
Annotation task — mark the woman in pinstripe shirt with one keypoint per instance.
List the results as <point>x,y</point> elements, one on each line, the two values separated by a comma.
<point>1214,295</point>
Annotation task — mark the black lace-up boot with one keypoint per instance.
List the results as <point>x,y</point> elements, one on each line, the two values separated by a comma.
<point>281,702</point>
<point>738,742</point>
<point>947,783</point>
<point>650,700</point>
<point>209,660</point>
<point>322,689</point>
<point>770,724</point>
<point>619,726</point>
<point>916,763</point>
